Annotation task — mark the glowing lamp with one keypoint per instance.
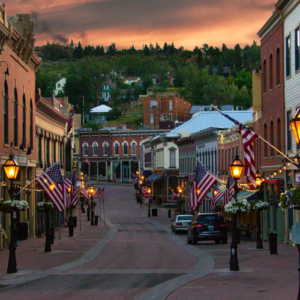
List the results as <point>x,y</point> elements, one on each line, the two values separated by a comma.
<point>198,191</point>
<point>143,177</point>
<point>295,125</point>
<point>149,190</point>
<point>52,187</point>
<point>137,172</point>
<point>236,168</point>
<point>258,179</point>
<point>11,168</point>
<point>141,181</point>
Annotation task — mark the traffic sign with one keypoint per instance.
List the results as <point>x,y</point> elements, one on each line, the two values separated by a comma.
<point>144,189</point>
<point>146,195</point>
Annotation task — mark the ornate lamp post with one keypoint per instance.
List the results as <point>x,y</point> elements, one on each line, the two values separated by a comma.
<point>92,192</point>
<point>236,169</point>
<point>11,169</point>
<point>149,192</point>
<point>259,180</point>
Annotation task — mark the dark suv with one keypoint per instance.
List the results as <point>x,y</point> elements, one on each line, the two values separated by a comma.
<point>207,227</point>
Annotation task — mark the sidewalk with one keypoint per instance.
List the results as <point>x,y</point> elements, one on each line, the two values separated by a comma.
<point>30,253</point>
<point>261,275</point>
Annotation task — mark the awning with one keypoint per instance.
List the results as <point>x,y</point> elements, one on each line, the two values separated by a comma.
<point>155,178</point>
<point>147,172</point>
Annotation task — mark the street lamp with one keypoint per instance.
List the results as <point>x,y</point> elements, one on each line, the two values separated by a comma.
<point>92,192</point>
<point>149,192</point>
<point>236,169</point>
<point>11,169</point>
<point>259,181</point>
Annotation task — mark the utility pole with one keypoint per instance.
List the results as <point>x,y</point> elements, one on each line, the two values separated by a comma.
<point>83,110</point>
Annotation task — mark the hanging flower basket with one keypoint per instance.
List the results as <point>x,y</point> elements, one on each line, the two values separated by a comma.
<point>260,205</point>
<point>44,206</point>
<point>9,206</point>
<point>237,207</point>
<point>290,199</point>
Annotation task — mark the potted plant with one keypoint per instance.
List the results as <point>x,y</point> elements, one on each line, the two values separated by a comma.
<point>8,206</point>
<point>260,205</point>
<point>238,207</point>
<point>44,206</point>
<point>290,199</point>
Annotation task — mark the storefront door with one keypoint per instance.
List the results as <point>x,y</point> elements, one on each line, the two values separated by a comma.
<point>125,173</point>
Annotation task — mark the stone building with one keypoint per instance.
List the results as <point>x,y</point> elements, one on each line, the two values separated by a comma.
<point>19,64</point>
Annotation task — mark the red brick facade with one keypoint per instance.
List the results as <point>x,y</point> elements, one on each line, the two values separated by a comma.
<point>271,125</point>
<point>168,108</point>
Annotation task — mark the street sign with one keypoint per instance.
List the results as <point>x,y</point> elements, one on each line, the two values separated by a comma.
<point>146,195</point>
<point>144,189</point>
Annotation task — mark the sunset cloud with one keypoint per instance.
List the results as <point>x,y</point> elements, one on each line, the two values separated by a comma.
<point>125,22</point>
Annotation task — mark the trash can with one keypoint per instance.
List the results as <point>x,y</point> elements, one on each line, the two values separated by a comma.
<point>22,231</point>
<point>96,220</point>
<point>169,213</point>
<point>75,222</point>
<point>273,242</point>
<point>154,212</point>
<point>238,235</point>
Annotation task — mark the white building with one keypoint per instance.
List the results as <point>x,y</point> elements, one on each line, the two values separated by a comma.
<point>97,114</point>
<point>59,85</point>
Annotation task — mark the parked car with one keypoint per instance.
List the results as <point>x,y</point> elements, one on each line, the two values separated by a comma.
<point>207,226</point>
<point>181,222</point>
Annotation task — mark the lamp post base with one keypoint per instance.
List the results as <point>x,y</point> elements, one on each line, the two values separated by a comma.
<point>234,262</point>
<point>12,262</point>
<point>259,244</point>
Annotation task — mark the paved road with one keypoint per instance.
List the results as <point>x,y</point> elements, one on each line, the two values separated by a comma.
<point>138,259</point>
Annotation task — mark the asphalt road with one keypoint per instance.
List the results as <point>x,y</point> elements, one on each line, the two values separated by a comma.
<point>138,259</point>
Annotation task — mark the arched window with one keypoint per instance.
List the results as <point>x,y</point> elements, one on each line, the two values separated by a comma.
<point>125,148</point>
<point>5,120</point>
<point>95,148</point>
<point>24,122</point>
<point>85,148</point>
<point>133,147</point>
<point>264,77</point>
<point>266,138</point>
<point>116,146</point>
<point>31,125</point>
<point>271,71</point>
<point>105,148</point>
<point>278,66</point>
<point>272,137</point>
<point>279,134</point>
<point>15,118</point>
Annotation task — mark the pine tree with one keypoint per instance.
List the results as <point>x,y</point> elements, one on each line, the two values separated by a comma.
<point>238,57</point>
<point>166,47</point>
<point>146,51</point>
<point>200,60</point>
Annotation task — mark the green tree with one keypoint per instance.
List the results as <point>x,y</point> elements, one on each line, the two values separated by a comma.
<point>114,114</point>
<point>146,50</point>
<point>238,57</point>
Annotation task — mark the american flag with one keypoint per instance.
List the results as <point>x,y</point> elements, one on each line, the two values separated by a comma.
<point>73,193</point>
<point>228,194</point>
<point>84,192</point>
<point>203,181</point>
<point>102,194</point>
<point>52,183</point>
<point>135,178</point>
<point>87,161</point>
<point>217,194</point>
<point>173,196</point>
<point>248,137</point>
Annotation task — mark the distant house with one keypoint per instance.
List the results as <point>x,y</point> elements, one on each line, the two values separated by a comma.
<point>226,71</point>
<point>197,108</point>
<point>106,90</point>
<point>130,80</point>
<point>59,86</point>
<point>97,114</point>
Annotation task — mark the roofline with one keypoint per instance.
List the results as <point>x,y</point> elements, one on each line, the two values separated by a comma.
<point>275,17</point>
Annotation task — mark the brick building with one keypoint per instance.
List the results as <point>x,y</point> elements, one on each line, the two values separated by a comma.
<point>19,63</point>
<point>168,109</point>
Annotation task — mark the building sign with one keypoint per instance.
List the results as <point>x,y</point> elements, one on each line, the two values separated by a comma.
<point>22,160</point>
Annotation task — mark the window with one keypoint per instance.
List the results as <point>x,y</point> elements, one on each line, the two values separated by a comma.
<point>266,138</point>
<point>288,56</point>
<point>15,118</point>
<point>297,49</point>
<point>5,113</point>
<point>133,148</point>
<point>264,77</point>
<point>151,106</point>
<point>95,149</point>
<point>272,137</point>
<point>278,66</point>
<point>160,158</point>
<point>271,71</point>
<point>31,125</point>
<point>54,151</point>
<point>171,117</point>
<point>184,106</point>
<point>58,85</point>
<point>279,134</point>
<point>105,148</point>
<point>116,146</point>
<point>289,131</point>
<point>151,118</point>
<point>24,122</point>
<point>170,105</point>
<point>125,148</point>
<point>106,95</point>
<point>85,148</point>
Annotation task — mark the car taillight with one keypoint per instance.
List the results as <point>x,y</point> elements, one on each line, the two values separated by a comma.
<point>197,226</point>
<point>222,226</point>
<point>178,223</point>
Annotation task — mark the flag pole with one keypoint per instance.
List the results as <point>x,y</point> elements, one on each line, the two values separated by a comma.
<point>35,178</point>
<point>215,108</point>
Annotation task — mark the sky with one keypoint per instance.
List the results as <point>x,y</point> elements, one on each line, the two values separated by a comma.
<point>187,23</point>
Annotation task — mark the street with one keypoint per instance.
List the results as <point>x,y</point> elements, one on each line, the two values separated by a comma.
<point>136,257</point>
